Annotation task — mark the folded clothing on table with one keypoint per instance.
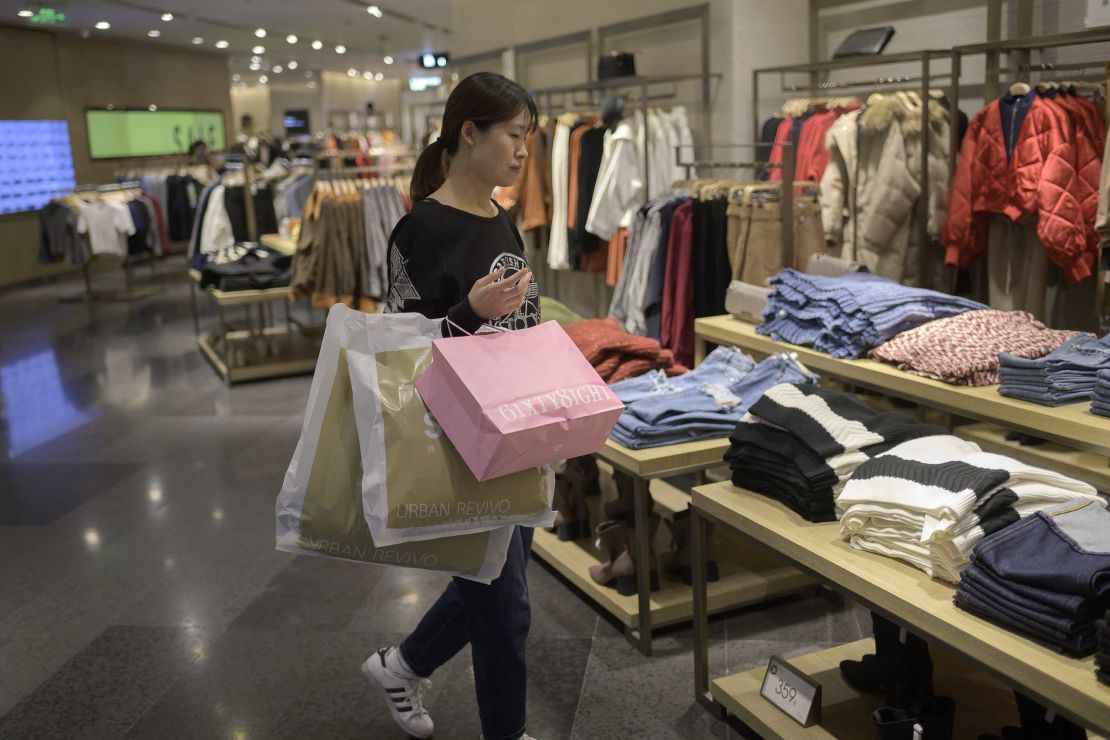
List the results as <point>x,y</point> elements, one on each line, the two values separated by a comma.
<point>724,365</point>
<point>964,349</point>
<point>1047,576</point>
<point>930,501</point>
<point>708,401</point>
<point>1102,646</point>
<point>617,355</point>
<point>799,444</point>
<point>248,268</point>
<point>846,316</point>
<point>1100,404</point>
<point>1066,375</point>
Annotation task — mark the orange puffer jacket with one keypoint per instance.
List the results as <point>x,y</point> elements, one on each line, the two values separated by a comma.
<point>1041,178</point>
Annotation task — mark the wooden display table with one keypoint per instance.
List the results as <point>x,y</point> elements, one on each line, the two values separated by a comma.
<point>260,348</point>
<point>893,588</point>
<point>747,577</point>
<point>1073,425</point>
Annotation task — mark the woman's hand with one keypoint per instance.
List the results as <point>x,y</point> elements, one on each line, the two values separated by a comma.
<point>495,295</point>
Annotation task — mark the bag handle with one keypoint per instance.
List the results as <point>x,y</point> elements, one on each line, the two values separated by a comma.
<point>452,323</point>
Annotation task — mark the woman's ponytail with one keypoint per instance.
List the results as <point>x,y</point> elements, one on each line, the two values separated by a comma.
<point>430,171</point>
<point>485,98</point>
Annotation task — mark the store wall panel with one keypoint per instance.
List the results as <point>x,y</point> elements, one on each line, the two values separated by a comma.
<point>253,102</point>
<point>561,65</point>
<point>342,93</point>
<point>296,96</point>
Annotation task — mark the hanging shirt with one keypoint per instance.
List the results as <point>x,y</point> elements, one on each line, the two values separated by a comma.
<point>108,226</point>
<point>215,232</point>
<point>620,184</point>
<point>558,257</point>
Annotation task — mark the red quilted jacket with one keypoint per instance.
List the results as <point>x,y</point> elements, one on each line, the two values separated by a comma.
<point>1041,179</point>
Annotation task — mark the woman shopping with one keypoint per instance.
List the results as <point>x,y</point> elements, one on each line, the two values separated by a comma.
<point>458,255</point>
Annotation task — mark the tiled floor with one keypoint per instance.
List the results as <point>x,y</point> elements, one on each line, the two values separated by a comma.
<point>141,595</point>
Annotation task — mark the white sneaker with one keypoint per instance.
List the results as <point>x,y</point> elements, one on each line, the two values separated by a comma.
<point>404,696</point>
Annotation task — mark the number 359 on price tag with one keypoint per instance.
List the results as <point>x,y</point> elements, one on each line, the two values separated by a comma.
<point>792,691</point>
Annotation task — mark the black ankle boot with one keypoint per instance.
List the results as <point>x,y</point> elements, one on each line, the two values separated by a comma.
<point>1035,723</point>
<point>893,723</point>
<point>937,715</point>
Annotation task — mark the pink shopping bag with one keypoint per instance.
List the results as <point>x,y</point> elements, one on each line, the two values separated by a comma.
<point>516,400</point>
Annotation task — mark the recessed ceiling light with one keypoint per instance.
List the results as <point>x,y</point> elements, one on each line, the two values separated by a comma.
<point>375,11</point>
<point>255,66</point>
<point>236,77</point>
<point>292,64</point>
<point>308,75</point>
<point>258,50</point>
<point>221,44</point>
<point>152,107</point>
<point>263,79</point>
<point>154,33</point>
<point>379,77</point>
<point>317,45</point>
<point>198,39</point>
<point>441,61</point>
<point>352,72</point>
<point>278,69</point>
<point>103,25</point>
<point>110,107</point>
<point>429,60</point>
<point>256,60</point>
<point>291,38</point>
<point>340,49</point>
<point>25,13</point>
<point>167,17</point>
<point>311,85</point>
<point>260,33</point>
<point>367,75</point>
<point>454,77</point>
<point>387,59</point>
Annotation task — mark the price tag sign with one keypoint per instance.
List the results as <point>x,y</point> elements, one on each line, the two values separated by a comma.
<point>792,691</point>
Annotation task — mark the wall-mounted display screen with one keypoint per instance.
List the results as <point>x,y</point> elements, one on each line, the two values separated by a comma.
<point>295,122</point>
<point>36,164</point>
<point>145,133</point>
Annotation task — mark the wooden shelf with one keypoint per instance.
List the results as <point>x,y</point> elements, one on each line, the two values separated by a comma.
<point>661,462</point>
<point>278,243</point>
<point>982,704</point>
<point>761,577</point>
<point>298,359</point>
<point>1073,425</point>
<point>912,598</point>
<point>243,297</point>
<point>1086,466</point>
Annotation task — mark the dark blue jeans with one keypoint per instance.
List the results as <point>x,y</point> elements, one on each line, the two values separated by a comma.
<point>494,619</point>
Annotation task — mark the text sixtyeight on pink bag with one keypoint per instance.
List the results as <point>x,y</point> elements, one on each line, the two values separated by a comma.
<point>516,400</point>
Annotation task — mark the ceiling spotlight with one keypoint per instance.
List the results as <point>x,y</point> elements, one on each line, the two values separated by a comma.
<point>292,64</point>
<point>367,75</point>
<point>379,77</point>
<point>260,33</point>
<point>25,13</point>
<point>352,72</point>
<point>255,66</point>
<point>375,11</point>
<point>429,60</point>
<point>308,75</point>
<point>198,39</point>
<point>103,25</point>
<point>236,77</point>
<point>256,60</point>
<point>154,33</point>
<point>454,77</point>
<point>317,44</point>
<point>263,79</point>
<point>387,59</point>
<point>152,107</point>
<point>340,49</point>
<point>221,44</point>
<point>167,17</point>
<point>258,50</point>
<point>291,38</point>
<point>441,61</point>
<point>311,85</point>
<point>278,69</point>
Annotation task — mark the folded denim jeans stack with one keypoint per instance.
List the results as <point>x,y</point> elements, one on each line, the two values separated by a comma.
<point>1066,375</point>
<point>617,355</point>
<point>705,403</point>
<point>1100,404</point>
<point>848,315</point>
<point>1047,577</point>
<point>799,444</point>
<point>930,501</point>
<point>1102,654</point>
<point>963,349</point>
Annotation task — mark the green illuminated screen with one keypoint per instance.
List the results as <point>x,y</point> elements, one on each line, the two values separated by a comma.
<point>142,133</point>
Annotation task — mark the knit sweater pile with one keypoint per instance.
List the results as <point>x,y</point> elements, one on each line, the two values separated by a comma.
<point>617,355</point>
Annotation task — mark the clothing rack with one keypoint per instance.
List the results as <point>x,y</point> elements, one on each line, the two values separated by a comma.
<point>788,167</point>
<point>925,59</point>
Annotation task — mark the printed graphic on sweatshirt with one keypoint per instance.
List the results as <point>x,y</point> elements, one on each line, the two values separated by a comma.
<point>531,306</point>
<point>401,287</point>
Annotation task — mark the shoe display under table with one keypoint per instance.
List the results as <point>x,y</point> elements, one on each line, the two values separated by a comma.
<point>746,577</point>
<point>890,587</point>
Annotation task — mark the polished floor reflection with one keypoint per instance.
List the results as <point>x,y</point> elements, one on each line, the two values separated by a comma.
<point>141,597</point>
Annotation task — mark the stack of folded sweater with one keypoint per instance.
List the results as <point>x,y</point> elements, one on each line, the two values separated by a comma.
<point>930,501</point>
<point>1102,657</point>
<point>1048,577</point>
<point>1100,405</point>
<point>846,316</point>
<point>616,354</point>
<point>964,349</point>
<point>799,444</point>
<point>705,403</point>
<point>1065,375</point>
